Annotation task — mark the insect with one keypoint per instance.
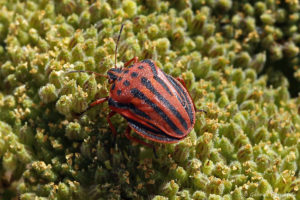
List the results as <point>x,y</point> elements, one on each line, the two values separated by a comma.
<point>156,106</point>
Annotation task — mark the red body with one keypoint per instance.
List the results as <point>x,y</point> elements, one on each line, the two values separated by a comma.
<point>156,105</point>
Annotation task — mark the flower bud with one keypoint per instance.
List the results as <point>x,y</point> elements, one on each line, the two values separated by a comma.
<point>129,7</point>
<point>48,93</point>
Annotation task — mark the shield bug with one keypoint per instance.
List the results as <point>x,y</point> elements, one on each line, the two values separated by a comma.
<point>156,106</point>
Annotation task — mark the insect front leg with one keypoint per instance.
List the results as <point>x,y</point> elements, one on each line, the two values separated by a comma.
<point>94,103</point>
<point>134,60</point>
<point>97,102</point>
<point>133,139</point>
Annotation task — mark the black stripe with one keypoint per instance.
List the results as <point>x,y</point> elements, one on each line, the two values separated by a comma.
<point>182,101</point>
<point>117,70</point>
<point>111,75</point>
<point>138,94</point>
<point>147,131</point>
<point>151,64</point>
<point>182,93</point>
<point>113,86</point>
<point>162,83</point>
<point>155,75</point>
<point>150,87</point>
<point>130,107</point>
<point>177,88</point>
<point>157,128</point>
<point>156,131</point>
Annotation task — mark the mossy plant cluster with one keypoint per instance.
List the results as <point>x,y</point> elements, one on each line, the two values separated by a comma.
<point>245,147</point>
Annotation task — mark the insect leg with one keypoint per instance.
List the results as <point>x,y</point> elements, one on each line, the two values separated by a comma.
<point>181,81</point>
<point>98,101</point>
<point>110,115</point>
<point>127,134</point>
<point>134,60</point>
<point>94,103</point>
<point>201,110</point>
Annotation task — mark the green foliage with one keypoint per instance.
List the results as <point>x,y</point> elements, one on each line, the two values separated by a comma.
<point>245,147</point>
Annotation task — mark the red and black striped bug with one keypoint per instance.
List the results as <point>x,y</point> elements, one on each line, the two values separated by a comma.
<point>156,106</point>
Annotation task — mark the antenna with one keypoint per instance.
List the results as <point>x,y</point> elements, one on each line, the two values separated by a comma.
<point>89,72</point>
<point>117,45</point>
